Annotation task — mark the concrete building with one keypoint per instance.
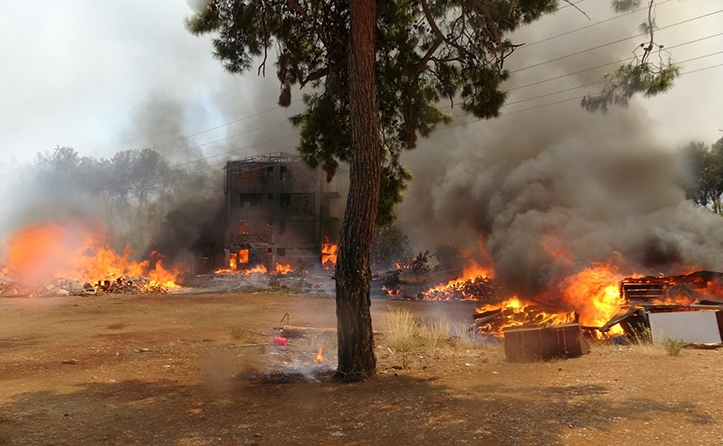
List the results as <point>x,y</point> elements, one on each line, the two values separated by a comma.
<point>278,210</point>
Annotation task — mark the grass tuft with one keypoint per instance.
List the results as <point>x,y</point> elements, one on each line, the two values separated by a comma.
<point>672,346</point>
<point>400,333</point>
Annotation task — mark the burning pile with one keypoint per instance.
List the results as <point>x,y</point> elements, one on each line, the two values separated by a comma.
<point>279,269</point>
<point>73,258</point>
<point>590,297</point>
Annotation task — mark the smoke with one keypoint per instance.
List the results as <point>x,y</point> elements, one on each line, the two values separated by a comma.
<point>551,196</point>
<point>549,191</point>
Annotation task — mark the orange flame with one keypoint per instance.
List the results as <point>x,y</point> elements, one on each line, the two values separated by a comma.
<point>283,269</point>
<point>319,356</point>
<point>258,269</point>
<point>513,312</point>
<point>328,254</point>
<point>72,250</point>
<point>474,275</point>
<point>594,293</point>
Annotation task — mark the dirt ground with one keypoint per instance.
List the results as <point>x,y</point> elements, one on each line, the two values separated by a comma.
<point>184,369</point>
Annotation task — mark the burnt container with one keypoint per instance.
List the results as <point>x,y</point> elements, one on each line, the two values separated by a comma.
<point>542,343</point>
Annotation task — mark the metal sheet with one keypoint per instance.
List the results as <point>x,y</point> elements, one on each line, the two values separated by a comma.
<point>685,326</point>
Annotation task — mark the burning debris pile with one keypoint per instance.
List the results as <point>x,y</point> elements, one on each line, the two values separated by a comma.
<point>65,287</point>
<point>476,288</point>
<point>646,296</point>
<point>70,258</point>
<point>494,318</point>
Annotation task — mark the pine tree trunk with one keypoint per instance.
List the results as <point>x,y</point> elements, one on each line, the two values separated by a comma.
<point>353,272</point>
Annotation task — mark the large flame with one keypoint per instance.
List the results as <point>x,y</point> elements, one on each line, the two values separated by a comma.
<point>594,293</point>
<point>73,250</point>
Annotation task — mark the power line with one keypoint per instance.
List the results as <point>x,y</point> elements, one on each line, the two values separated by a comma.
<point>219,126</point>
<point>577,98</point>
<point>515,71</point>
<point>619,16</point>
<point>611,43</point>
<point>511,103</point>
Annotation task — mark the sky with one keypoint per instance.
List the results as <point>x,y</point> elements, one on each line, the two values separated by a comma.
<point>111,75</point>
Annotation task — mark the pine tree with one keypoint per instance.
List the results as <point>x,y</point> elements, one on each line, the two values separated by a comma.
<point>421,52</point>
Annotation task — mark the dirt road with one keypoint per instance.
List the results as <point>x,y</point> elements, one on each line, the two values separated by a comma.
<point>200,369</point>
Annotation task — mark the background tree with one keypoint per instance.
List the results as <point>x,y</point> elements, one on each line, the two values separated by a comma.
<point>651,71</point>
<point>422,51</point>
<point>705,174</point>
<point>390,249</point>
<point>133,193</point>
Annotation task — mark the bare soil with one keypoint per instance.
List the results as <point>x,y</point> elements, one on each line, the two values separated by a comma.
<point>201,369</point>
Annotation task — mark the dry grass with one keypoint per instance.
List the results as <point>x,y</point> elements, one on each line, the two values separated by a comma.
<point>432,334</point>
<point>466,338</point>
<point>400,329</point>
<point>405,335</point>
<point>238,333</point>
<point>326,340</point>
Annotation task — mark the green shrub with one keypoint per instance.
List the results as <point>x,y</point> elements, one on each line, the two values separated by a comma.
<point>672,346</point>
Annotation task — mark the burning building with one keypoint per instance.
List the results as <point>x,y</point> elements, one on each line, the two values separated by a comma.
<point>277,209</point>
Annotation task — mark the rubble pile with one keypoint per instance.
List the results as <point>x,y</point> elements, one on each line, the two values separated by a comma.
<point>66,287</point>
<point>478,288</point>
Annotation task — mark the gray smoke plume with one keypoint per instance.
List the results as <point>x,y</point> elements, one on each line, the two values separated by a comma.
<point>551,192</point>
<point>548,191</point>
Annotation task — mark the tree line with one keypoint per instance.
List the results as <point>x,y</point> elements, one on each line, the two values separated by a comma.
<point>133,192</point>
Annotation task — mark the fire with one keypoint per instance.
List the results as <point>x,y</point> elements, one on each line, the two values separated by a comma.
<point>391,291</point>
<point>258,269</point>
<point>514,312</point>
<point>328,253</point>
<point>594,293</point>
<point>319,355</point>
<point>72,250</point>
<point>474,283</point>
<point>283,269</point>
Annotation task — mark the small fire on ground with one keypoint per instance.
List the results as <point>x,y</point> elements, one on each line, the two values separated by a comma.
<point>280,268</point>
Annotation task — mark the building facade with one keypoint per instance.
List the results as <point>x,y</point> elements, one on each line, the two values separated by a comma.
<point>277,209</point>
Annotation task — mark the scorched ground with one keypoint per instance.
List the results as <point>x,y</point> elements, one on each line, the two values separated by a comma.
<point>177,370</point>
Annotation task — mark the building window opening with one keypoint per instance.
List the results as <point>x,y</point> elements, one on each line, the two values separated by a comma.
<point>281,252</point>
<point>285,200</point>
<point>284,172</point>
<point>243,227</point>
<point>282,227</point>
<point>243,256</point>
<point>249,200</point>
<point>269,251</point>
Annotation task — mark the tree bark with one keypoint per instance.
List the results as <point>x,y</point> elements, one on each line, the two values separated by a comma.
<point>353,272</point>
